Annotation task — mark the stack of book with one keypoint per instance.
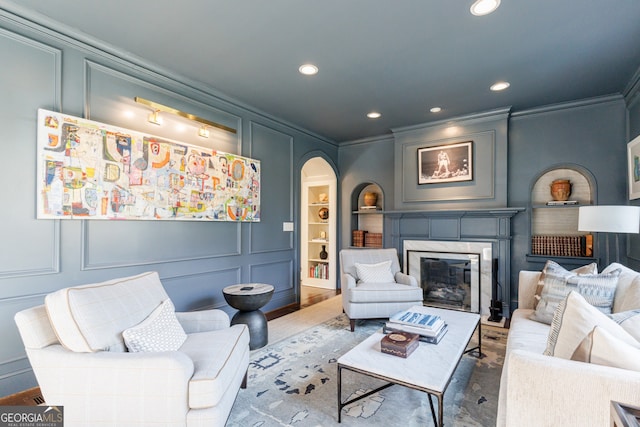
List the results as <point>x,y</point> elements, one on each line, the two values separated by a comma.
<point>417,320</point>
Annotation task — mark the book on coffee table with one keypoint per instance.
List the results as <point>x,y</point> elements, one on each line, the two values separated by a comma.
<point>422,335</point>
<point>418,317</point>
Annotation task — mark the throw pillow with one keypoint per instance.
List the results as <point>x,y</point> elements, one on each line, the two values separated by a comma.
<point>375,273</point>
<point>572,322</point>
<point>160,331</point>
<point>553,271</point>
<point>630,322</point>
<point>598,289</point>
<point>602,348</point>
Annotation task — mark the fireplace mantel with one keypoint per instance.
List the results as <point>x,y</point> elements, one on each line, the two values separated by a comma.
<point>491,225</point>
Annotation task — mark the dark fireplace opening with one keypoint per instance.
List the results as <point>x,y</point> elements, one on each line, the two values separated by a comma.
<point>446,283</point>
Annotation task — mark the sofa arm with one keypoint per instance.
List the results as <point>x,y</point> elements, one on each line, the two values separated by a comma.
<point>405,279</point>
<point>549,391</point>
<point>203,321</point>
<point>125,388</point>
<point>527,284</point>
<point>348,281</point>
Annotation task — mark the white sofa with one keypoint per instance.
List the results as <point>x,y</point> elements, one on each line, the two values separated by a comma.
<point>75,345</point>
<point>539,390</point>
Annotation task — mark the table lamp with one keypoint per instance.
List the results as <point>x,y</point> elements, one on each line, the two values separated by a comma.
<point>609,219</point>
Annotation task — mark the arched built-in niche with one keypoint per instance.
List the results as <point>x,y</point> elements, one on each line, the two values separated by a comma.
<point>367,222</point>
<point>550,220</point>
<point>318,224</point>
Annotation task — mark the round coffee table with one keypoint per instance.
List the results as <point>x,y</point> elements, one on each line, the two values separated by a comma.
<point>248,299</point>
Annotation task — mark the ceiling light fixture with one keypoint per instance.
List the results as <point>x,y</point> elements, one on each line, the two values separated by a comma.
<point>435,109</point>
<point>155,118</point>
<point>484,7</point>
<point>308,69</point>
<point>374,115</point>
<point>496,87</point>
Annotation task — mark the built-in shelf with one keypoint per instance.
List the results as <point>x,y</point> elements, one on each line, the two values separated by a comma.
<point>369,221</point>
<point>551,221</point>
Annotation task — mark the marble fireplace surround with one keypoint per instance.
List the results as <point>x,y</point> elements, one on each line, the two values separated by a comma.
<point>412,250</point>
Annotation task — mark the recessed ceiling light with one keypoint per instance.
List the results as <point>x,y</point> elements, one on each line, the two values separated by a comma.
<point>308,69</point>
<point>496,87</point>
<point>484,7</point>
<point>374,115</point>
<point>435,109</point>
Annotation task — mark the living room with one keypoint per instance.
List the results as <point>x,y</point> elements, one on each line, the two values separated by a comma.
<point>57,67</point>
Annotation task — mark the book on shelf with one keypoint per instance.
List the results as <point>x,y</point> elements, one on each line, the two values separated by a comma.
<point>369,208</point>
<point>562,202</point>
<point>430,339</point>
<point>417,317</point>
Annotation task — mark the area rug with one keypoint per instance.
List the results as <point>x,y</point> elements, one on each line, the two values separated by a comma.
<point>294,383</point>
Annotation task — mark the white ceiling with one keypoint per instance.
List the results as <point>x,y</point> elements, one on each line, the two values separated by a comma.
<point>397,57</point>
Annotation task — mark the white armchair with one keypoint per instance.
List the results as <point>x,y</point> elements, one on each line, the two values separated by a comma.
<point>77,351</point>
<point>373,286</point>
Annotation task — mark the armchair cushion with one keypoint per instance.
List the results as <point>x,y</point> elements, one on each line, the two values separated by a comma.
<point>161,331</point>
<point>92,317</point>
<point>375,273</point>
<point>384,292</point>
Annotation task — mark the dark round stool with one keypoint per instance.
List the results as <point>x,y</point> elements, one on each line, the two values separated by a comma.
<point>248,299</point>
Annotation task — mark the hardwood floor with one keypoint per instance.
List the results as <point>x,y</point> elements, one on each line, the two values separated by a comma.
<point>309,295</point>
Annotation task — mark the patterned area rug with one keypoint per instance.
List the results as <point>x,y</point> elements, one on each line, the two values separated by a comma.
<point>294,383</point>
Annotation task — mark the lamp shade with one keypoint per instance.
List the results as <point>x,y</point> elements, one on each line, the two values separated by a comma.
<point>609,219</point>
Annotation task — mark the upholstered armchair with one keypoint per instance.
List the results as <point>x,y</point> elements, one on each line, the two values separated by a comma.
<point>373,285</point>
<point>117,354</point>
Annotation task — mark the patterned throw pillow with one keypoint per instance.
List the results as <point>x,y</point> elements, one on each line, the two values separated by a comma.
<point>160,331</point>
<point>573,321</point>
<point>553,271</point>
<point>375,273</point>
<point>598,289</point>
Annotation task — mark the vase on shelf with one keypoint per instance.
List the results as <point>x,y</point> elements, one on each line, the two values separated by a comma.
<point>561,190</point>
<point>370,199</point>
<point>323,252</point>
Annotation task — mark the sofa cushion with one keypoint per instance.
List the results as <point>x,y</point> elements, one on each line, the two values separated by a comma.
<point>384,292</point>
<point>602,348</point>
<point>628,289</point>
<point>161,331</point>
<point>92,317</point>
<point>630,322</point>
<point>598,289</point>
<point>553,271</point>
<point>375,273</point>
<point>213,353</point>
<point>573,321</point>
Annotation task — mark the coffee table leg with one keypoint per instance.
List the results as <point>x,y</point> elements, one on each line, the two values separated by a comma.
<point>339,393</point>
<point>433,411</point>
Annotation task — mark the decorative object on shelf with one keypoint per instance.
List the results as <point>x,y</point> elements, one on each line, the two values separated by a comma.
<point>439,164</point>
<point>633,160</point>
<point>609,219</point>
<point>323,253</point>
<point>373,240</point>
<point>323,214</point>
<point>323,234</point>
<point>323,198</point>
<point>560,189</point>
<point>370,198</point>
<point>358,238</point>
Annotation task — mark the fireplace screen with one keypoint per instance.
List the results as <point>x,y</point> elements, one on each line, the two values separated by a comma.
<point>448,280</point>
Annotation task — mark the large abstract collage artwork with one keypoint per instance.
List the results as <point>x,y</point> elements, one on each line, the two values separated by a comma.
<point>90,170</point>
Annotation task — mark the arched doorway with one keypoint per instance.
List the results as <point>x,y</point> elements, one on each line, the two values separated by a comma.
<point>318,228</point>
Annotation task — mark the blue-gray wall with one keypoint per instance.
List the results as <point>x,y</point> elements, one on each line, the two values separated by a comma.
<point>44,69</point>
<point>633,117</point>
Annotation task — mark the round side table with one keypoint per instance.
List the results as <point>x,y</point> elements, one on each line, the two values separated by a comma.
<point>248,299</point>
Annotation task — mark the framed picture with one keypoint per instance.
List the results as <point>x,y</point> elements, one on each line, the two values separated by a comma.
<point>445,163</point>
<point>633,159</point>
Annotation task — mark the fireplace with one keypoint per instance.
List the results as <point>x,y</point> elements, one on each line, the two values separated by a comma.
<point>456,275</point>
<point>449,280</point>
